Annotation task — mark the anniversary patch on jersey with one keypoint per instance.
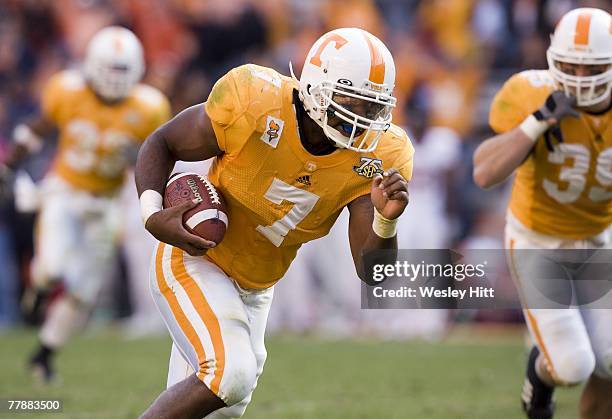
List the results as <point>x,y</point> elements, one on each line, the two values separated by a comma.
<point>368,167</point>
<point>274,129</point>
<point>304,180</point>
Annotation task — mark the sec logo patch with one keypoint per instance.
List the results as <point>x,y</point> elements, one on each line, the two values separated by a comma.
<point>368,167</point>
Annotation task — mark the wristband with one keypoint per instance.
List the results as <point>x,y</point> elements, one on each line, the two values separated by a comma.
<point>150,203</point>
<point>533,128</point>
<point>383,227</point>
<point>24,136</point>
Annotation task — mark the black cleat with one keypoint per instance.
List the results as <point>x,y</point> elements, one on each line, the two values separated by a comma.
<point>537,396</point>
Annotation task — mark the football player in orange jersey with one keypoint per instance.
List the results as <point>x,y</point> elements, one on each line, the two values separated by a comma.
<point>554,130</point>
<point>103,114</point>
<point>289,156</point>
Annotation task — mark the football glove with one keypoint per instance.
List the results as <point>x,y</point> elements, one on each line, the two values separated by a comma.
<point>556,107</point>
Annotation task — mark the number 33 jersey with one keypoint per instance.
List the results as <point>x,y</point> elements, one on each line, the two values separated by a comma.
<point>565,193</point>
<point>95,138</point>
<point>280,196</point>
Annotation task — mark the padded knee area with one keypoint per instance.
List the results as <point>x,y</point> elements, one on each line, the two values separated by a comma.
<point>239,377</point>
<point>574,367</point>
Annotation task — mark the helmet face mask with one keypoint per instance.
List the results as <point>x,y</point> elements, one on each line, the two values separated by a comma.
<point>353,118</point>
<point>338,93</point>
<point>589,89</point>
<point>114,63</point>
<point>580,56</point>
<point>110,81</point>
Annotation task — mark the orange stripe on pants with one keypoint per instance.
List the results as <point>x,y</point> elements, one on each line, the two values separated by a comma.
<point>532,321</point>
<point>196,296</point>
<point>538,336</point>
<point>178,313</point>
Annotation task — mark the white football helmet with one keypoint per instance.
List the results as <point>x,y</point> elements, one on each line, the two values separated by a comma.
<point>349,63</point>
<point>114,62</point>
<point>583,36</point>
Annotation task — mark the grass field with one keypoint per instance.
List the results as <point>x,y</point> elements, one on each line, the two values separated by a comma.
<point>470,375</point>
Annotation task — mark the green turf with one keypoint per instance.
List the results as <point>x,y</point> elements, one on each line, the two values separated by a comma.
<point>106,377</point>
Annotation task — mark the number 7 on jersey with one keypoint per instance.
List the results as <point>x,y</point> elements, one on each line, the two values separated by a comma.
<point>303,201</point>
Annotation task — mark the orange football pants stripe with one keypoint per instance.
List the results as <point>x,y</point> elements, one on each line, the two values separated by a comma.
<point>176,309</point>
<point>538,336</point>
<point>532,320</point>
<point>196,296</point>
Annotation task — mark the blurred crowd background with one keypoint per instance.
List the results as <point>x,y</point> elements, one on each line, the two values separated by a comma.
<point>451,57</point>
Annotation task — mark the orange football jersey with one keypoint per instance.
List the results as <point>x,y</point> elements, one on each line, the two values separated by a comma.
<point>94,137</point>
<point>566,193</point>
<point>279,196</point>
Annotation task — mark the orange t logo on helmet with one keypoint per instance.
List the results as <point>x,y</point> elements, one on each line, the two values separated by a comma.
<point>358,66</point>
<point>332,37</point>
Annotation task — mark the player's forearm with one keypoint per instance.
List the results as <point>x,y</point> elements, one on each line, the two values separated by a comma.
<point>153,164</point>
<point>372,243</point>
<point>381,234</point>
<point>498,157</point>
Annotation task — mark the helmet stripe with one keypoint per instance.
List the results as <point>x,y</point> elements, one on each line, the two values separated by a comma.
<point>377,62</point>
<point>583,24</point>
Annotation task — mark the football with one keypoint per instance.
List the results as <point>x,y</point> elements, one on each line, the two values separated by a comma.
<point>208,219</point>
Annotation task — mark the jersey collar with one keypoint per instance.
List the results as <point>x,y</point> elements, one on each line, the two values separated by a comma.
<point>336,158</point>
